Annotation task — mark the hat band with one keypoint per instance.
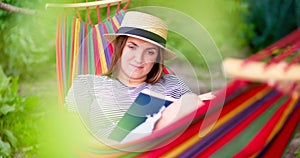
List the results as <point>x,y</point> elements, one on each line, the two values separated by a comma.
<point>143,33</point>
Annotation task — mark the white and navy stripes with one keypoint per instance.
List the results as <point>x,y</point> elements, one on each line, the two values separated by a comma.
<point>102,101</point>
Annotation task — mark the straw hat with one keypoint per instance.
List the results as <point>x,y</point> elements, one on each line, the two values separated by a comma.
<point>146,27</point>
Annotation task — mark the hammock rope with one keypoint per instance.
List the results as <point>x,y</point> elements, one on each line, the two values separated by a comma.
<point>267,52</point>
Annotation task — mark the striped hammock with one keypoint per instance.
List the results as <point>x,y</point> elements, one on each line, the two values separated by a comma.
<point>254,120</point>
<point>81,48</point>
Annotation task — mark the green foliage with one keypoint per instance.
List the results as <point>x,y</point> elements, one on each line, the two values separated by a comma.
<point>18,123</point>
<point>223,20</point>
<point>25,41</point>
<point>272,20</point>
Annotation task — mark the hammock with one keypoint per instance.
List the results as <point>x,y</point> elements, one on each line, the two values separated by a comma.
<point>254,120</point>
<point>80,46</point>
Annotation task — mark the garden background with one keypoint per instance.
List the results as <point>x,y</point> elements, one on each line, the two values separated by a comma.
<point>31,122</point>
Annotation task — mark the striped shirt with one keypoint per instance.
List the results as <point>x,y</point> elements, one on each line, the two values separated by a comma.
<point>102,101</point>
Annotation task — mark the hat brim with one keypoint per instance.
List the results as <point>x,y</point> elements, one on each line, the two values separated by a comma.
<point>167,54</point>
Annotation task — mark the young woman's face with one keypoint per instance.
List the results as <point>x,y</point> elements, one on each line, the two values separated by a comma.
<point>138,58</point>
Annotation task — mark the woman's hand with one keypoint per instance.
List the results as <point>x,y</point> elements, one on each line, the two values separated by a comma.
<point>185,105</point>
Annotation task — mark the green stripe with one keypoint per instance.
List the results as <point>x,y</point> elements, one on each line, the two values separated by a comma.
<point>69,23</point>
<point>109,27</point>
<point>91,67</point>
<point>241,140</point>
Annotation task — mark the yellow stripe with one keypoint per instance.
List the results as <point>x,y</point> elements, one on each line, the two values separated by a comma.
<point>285,115</point>
<point>182,147</point>
<point>116,22</point>
<point>75,52</point>
<point>101,52</point>
<point>282,120</point>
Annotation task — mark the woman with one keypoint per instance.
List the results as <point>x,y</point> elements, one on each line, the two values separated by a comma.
<point>137,64</point>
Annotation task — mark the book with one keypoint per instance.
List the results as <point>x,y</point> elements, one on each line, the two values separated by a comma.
<point>206,96</point>
<point>146,104</point>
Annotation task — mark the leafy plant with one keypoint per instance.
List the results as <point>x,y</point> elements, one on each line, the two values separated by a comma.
<point>25,40</point>
<point>271,20</point>
<point>18,122</point>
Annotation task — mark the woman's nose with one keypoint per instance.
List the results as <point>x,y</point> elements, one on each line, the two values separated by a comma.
<point>139,55</point>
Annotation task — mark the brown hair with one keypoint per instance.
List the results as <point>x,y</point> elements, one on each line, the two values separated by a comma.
<point>155,73</point>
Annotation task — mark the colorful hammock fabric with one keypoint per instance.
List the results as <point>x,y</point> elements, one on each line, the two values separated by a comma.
<point>81,48</point>
<point>254,119</point>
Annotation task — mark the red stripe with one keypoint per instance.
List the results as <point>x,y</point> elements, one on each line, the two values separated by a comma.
<point>290,38</point>
<point>280,143</point>
<point>259,141</point>
<point>285,54</point>
<point>96,53</point>
<point>238,129</point>
<point>109,45</point>
<point>113,24</point>
<point>166,70</point>
<point>111,49</point>
<point>296,60</point>
<point>65,66</point>
<point>72,51</point>
<point>59,60</point>
<point>85,68</point>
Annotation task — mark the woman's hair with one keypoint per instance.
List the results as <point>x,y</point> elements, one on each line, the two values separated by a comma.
<point>155,73</point>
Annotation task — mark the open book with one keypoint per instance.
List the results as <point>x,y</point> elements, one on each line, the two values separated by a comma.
<point>146,104</point>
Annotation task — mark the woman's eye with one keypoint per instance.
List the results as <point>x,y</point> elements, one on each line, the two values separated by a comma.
<point>131,46</point>
<point>150,52</point>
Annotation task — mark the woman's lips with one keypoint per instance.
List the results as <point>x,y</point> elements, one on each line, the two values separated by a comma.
<point>136,66</point>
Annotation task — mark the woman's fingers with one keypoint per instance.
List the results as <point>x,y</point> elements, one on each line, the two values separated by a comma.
<point>185,105</point>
